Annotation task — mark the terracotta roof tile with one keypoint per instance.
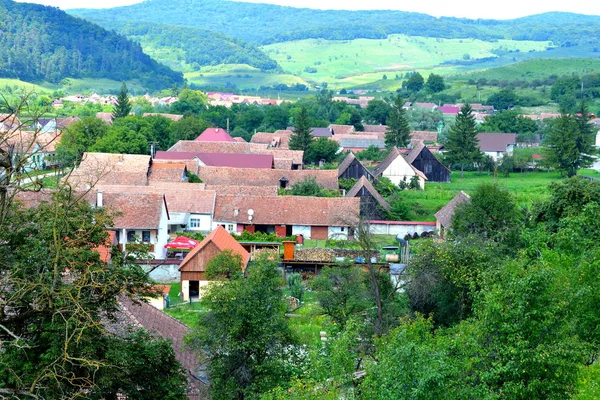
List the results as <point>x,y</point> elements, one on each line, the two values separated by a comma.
<point>425,136</point>
<point>220,159</point>
<point>375,128</point>
<point>244,190</point>
<point>224,241</point>
<point>105,168</point>
<point>265,177</point>
<point>288,210</point>
<point>135,210</point>
<point>342,129</point>
<point>168,172</point>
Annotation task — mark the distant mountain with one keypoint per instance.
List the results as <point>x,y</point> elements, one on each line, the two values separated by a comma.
<point>266,23</point>
<point>184,48</point>
<point>44,43</point>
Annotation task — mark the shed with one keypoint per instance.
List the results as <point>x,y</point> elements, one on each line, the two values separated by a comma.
<point>444,216</point>
<point>372,204</point>
<point>352,168</point>
<point>193,266</point>
<point>422,159</point>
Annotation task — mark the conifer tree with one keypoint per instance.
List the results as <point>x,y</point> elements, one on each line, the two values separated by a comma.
<point>398,131</point>
<point>302,137</point>
<point>463,146</point>
<point>123,106</point>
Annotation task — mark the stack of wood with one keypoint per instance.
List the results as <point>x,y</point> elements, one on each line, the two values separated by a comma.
<point>347,253</point>
<point>270,254</point>
<point>315,254</point>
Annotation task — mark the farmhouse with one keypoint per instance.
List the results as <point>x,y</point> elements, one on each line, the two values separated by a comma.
<point>193,266</point>
<point>496,145</point>
<point>397,169</point>
<point>313,217</point>
<point>422,159</point>
<point>352,168</point>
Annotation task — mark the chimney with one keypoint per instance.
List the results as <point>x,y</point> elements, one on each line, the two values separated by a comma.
<point>288,250</point>
<point>99,199</point>
<point>152,150</point>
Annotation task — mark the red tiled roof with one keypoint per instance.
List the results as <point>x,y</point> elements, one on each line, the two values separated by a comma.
<point>265,177</point>
<point>425,136</point>
<point>445,214</point>
<point>135,210</point>
<point>375,128</point>
<point>288,210</point>
<point>224,241</point>
<point>168,172</point>
<point>114,169</point>
<point>215,135</point>
<point>244,190</point>
<point>341,129</point>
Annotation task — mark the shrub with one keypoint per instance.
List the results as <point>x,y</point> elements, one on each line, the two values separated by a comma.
<point>296,286</point>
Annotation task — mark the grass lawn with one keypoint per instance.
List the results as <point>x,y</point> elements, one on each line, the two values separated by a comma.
<point>527,188</point>
<point>311,322</point>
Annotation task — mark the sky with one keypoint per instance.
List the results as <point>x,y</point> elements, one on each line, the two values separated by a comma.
<point>505,9</point>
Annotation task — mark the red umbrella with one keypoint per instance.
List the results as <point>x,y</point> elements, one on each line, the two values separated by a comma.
<point>181,243</point>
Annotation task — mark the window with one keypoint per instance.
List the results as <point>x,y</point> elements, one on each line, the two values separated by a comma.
<point>194,223</point>
<point>146,236</point>
<point>230,227</point>
<point>131,236</point>
<point>428,168</point>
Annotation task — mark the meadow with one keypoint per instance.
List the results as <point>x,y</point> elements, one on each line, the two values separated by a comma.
<point>240,75</point>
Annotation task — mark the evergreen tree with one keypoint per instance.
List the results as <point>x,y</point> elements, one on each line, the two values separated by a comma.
<point>569,145</point>
<point>463,146</point>
<point>398,131</point>
<point>123,106</point>
<point>302,138</point>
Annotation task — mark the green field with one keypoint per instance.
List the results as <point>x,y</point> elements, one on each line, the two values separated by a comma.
<point>527,188</point>
<point>242,76</point>
<point>536,69</point>
<point>352,62</point>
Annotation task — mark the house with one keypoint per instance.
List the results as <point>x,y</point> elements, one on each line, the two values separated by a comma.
<point>135,314</point>
<point>141,218</point>
<point>105,116</point>
<point>397,169</point>
<point>422,159</point>
<point>372,204</point>
<point>266,177</point>
<point>360,143</point>
<point>375,128</point>
<point>496,145</point>
<point>215,135</point>
<point>279,139</point>
<point>313,217</point>
<point>444,216</point>
<point>283,159</point>
<point>110,169</point>
<point>424,136</point>
<point>190,205</point>
<point>168,172</point>
<point>193,267</point>
<point>352,168</point>
<point>199,160</point>
<point>449,109</point>
<point>172,117</point>
<point>31,150</point>
<point>341,129</point>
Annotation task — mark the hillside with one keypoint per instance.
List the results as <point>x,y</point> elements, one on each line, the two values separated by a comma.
<point>41,43</point>
<point>266,23</point>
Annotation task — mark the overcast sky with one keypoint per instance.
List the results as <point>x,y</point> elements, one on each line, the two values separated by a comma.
<point>456,8</point>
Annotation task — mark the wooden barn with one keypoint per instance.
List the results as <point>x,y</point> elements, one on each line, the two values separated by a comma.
<point>352,168</point>
<point>372,204</point>
<point>193,266</point>
<point>423,159</point>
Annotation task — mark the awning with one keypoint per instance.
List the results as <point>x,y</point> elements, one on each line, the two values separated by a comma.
<point>181,243</point>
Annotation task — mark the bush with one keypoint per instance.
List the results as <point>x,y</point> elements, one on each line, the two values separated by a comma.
<point>296,286</point>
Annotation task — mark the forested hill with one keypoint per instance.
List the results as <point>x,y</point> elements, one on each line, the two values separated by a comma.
<point>176,46</point>
<point>44,43</point>
<point>266,23</point>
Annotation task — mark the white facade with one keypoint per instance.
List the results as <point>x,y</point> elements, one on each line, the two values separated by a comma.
<point>400,170</point>
<point>399,228</point>
<point>230,227</point>
<point>303,230</point>
<point>338,232</point>
<point>496,155</point>
<point>157,237</point>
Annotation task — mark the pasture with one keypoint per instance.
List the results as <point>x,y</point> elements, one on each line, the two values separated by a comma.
<point>242,76</point>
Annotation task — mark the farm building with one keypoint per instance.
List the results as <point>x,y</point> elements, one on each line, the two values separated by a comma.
<point>397,169</point>
<point>444,216</point>
<point>372,205</point>
<point>352,168</point>
<point>422,159</point>
<point>193,266</point>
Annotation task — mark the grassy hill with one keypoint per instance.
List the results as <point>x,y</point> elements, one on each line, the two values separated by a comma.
<point>242,76</point>
<point>41,43</point>
<point>347,63</point>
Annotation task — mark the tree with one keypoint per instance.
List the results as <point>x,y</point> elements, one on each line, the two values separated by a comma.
<point>78,138</point>
<point>398,131</point>
<point>310,187</point>
<point>569,144</point>
<point>503,100</point>
<point>492,215</point>
<point>245,333</point>
<point>322,149</point>
<point>190,102</point>
<point>415,82</point>
<point>57,294</point>
<point>123,106</point>
<point>188,128</point>
<point>462,146</point>
<point>302,137</point>
<point>277,117</point>
<point>508,122</point>
<point>435,83</point>
<point>377,112</point>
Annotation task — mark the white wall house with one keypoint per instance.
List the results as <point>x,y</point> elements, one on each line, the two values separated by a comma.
<point>397,169</point>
